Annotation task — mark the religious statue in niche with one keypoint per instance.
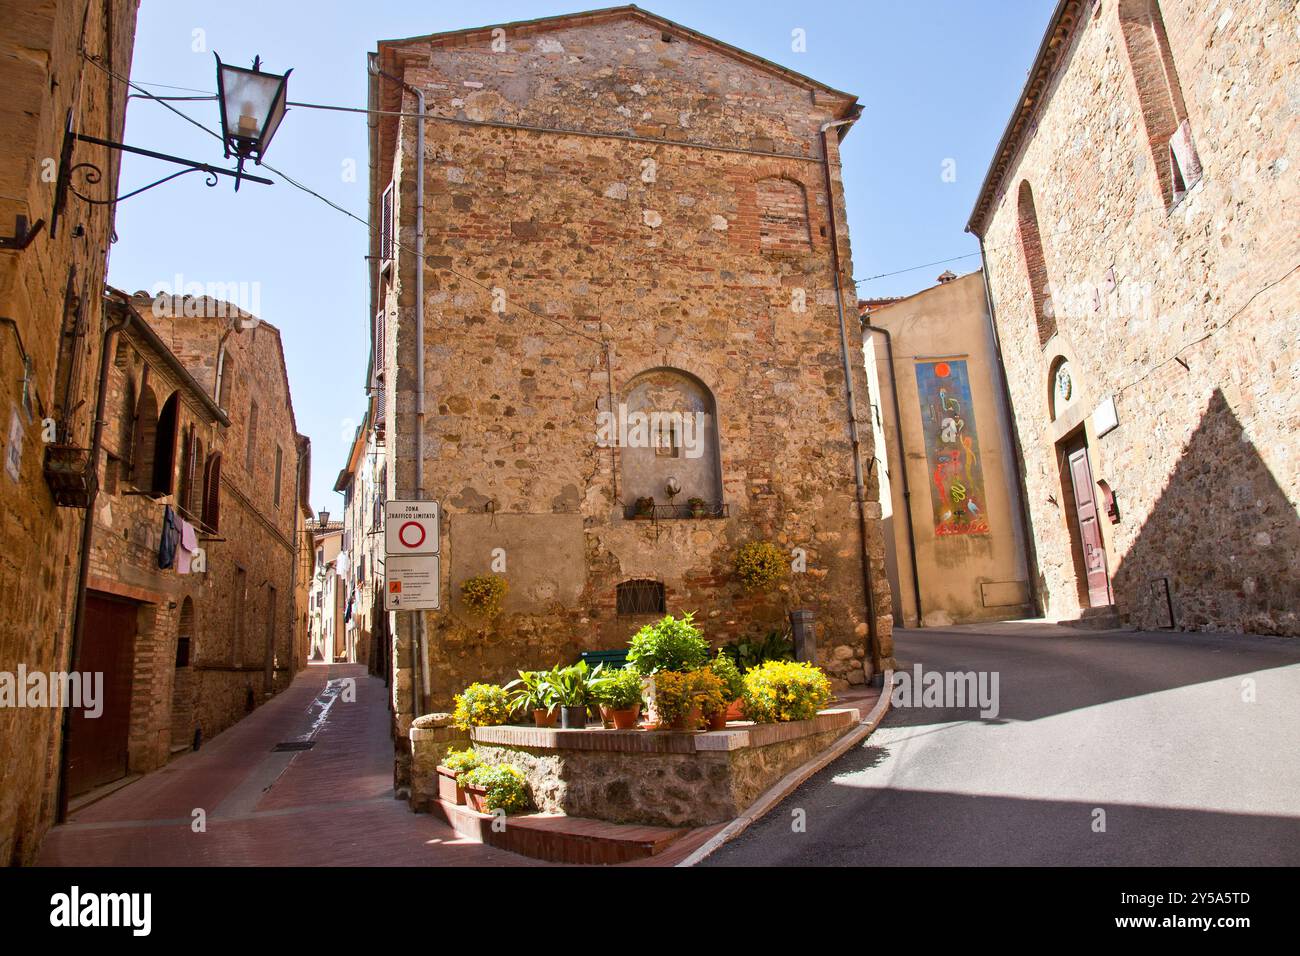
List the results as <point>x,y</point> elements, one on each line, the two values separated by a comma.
<point>952,448</point>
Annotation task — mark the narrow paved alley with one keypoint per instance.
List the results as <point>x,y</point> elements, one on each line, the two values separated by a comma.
<point>329,805</point>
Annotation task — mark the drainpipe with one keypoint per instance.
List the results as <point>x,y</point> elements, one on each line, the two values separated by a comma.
<point>87,533</point>
<point>419,658</point>
<point>1031,558</point>
<point>902,467</point>
<point>873,638</point>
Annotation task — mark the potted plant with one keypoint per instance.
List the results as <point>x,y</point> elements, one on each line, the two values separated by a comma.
<point>644,508</point>
<point>619,694</point>
<point>699,507</point>
<point>759,565</point>
<point>454,764</point>
<point>669,644</point>
<point>531,694</point>
<point>683,697</point>
<point>571,687</point>
<point>492,788</point>
<point>484,593</point>
<point>482,705</point>
<point>733,689</point>
<point>785,690</point>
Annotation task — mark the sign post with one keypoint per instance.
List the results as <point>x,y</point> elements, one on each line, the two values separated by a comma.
<point>411,546</point>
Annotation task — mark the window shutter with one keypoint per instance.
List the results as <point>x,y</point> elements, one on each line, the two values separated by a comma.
<point>212,492</point>
<point>381,337</point>
<point>1187,164</point>
<point>386,226</point>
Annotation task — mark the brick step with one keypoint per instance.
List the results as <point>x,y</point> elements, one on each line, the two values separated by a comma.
<point>1097,619</point>
<point>557,838</point>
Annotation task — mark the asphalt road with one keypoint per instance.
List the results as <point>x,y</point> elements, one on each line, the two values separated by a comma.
<point>1188,744</point>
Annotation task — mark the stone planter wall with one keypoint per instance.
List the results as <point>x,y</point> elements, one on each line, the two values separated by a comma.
<point>658,778</point>
<point>431,736</point>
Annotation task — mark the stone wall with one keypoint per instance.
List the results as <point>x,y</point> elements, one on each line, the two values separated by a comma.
<point>1183,312</point>
<point>43,76</point>
<point>616,256</point>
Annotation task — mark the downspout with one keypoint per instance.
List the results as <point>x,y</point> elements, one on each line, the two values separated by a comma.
<point>420,677</point>
<point>873,638</point>
<point>902,467</point>
<point>87,534</point>
<point>1031,558</point>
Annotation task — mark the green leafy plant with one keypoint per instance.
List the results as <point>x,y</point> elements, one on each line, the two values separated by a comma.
<point>618,689</point>
<point>484,593</point>
<point>461,761</point>
<point>506,786</point>
<point>670,644</point>
<point>645,507</point>
<point>785,690</point>
<point>699,507</point>
<point>572,686</point>
<point>531,691</point>
<point>676,692</point>
<point>759,565</point>
<point>733,684</point>
<point>748,654</point>
<point>481,705</point>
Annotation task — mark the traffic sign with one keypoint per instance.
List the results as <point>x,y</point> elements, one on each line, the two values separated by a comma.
<point>411,527</point>
<point>411,583</point>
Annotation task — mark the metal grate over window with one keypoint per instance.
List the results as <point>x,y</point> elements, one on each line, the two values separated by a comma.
<point>641,597</point>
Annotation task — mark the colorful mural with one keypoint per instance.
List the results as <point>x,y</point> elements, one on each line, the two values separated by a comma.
<point>952,448</point>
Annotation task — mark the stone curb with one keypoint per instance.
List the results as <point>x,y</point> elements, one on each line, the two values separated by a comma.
<point>787,784</point>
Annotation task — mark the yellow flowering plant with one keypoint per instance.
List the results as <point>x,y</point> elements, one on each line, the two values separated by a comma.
<point>484,593</point>
<point>778,691</point>
<point>676,692</point>
<point>759,565</point>
<point>482,705</point>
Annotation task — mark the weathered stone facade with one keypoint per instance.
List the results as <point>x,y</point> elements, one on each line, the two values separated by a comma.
<point>48,286</point>
<point>1177,304</point>
<point>614,201</point>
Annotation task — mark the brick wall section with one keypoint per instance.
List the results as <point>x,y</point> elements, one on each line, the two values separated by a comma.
<point>1204,461</point>
<point>658,250</point>
<point>43,75</point>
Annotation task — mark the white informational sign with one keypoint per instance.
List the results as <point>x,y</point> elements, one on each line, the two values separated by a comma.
<point>1104,417</point>
<point>411,583</point>
<point>410,527</point>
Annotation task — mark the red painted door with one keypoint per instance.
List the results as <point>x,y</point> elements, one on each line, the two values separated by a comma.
<point>1085,503</point>
<point>97,751</point>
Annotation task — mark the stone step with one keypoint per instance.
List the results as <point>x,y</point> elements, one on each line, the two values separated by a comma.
<point>557,838</point>
<point>1097,619</point>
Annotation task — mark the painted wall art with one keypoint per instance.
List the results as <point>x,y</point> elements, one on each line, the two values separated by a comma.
<point>952,448</point>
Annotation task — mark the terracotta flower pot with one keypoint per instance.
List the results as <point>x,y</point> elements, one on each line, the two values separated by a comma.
<point>475,797</point>
<point>625,718</point>
<point>448,789</point>
<point>718,720</point>
<point>543,717</point>
<point>736,710</point>
<point>688,721</point>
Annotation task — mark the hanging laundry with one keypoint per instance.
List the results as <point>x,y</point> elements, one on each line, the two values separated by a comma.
<point>171,536</point>
<point>189,546</point>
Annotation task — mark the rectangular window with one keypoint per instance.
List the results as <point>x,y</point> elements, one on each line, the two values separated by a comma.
<point>250,451</point>
<point>279,464</point>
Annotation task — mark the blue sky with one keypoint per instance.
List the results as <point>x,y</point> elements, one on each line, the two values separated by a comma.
<point>938,79</point>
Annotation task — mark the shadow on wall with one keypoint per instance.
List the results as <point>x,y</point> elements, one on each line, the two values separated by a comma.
<point>1222,534</point>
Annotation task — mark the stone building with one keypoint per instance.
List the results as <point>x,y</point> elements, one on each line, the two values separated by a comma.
<point>621,218</point>
<point>1141,231</point>
<point>361,482</point>
<point>199,424</point>
<point>954,529</point>
<point>328,595</point>
<point>52,268</point>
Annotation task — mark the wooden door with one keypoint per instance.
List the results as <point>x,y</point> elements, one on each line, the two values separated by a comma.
<point>1085,504</point>
<point>97,746</point>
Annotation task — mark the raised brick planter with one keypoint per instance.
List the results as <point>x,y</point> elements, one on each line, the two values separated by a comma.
<point>658,778</point>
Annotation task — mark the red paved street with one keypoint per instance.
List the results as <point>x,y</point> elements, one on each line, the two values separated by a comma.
<point>332,805</point>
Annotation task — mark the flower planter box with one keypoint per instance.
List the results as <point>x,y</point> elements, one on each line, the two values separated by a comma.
<point>475,798</point>
<point>448,788</point>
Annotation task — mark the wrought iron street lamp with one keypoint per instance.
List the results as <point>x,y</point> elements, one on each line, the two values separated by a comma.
<point>252,105</point>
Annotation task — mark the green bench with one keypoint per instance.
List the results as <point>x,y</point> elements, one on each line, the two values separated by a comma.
<point>611,659</point>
